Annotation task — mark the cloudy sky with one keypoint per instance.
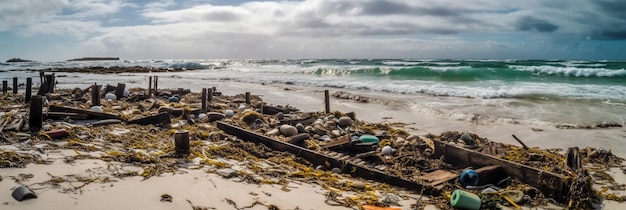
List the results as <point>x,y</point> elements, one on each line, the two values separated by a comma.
<point>473,29</point>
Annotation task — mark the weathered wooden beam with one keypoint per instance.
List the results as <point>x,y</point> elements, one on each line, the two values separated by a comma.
<point>90,114</point>
<point>321,159</point>
<point>35,118</point>
<point>63,115</point>
<point>95,95</point>
<point>5,86</point>
<point>247,97</point>
<point>204,100</point>
<point>551,184</point>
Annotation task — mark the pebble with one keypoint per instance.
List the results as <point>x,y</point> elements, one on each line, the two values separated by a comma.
<point>280,116</point>
<point>202,116</point>
<point>345,121</point>
<point>95,109</point>
<point>125,93</point>
<point>229,113</point>
<point>213,116</point>
<point>336,170</point>
<point>300,127</point>
<point>335,132</point>
<point>400,141</point>
<point>359,185</point>
<point>227,172</point>
<point>325,138</point>
<point>288,130</point>
<point>466,138</point>
<point>387,150</point>
<point>110,96</point>
<point>174,99</point>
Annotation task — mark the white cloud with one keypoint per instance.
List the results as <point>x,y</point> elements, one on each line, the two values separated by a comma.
<point>24,12</point>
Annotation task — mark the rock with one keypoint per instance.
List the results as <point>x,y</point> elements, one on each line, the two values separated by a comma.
<point>288,130</point>
<point>330,124</point>
<point>400,141</point>
<point>536,157</point>
<point>387,150</point>
<point>325,138</point>
<point>300,127</point>
<point>335,133</point>
<point>229,113</point>
<point>359,185</point>
<point>336,170</point>
<point>354,138</point>
<point>174,99</point>
<point>213,116</point>
<point>110,96</point>
<point>192,116</point>
<point>345,121</point>
<point>227,172</point>
<point>280,116</point>
<point>319,167</point>
<point>202,116</point>
<point>125,93</point>
<point>95,109</point>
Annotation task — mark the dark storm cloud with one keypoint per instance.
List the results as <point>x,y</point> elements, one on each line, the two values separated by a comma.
<point>614,34</point>
<point>612,8</point>
<point>613,25</point>
<point>534,24</point>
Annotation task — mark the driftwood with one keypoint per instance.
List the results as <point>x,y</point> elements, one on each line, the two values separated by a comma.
<point>551,184</point>
<point>317,158</point>
<point>159,118</point>
<point>63,115</point>
<point>90,114</point>
<point>105,122</point>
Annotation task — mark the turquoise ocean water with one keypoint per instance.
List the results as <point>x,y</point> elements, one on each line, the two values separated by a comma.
<point>512,91</point>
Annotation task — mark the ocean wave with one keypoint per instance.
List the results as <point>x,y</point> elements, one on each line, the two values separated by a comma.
<point>572,71</point>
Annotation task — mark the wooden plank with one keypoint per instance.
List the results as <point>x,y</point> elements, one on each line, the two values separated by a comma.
<point>63,115</point>
<point>321,159</point>
<point>552,185</point>
<point>90,114</point>
<point>439,176</point>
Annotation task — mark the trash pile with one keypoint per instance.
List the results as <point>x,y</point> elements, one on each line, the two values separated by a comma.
<point>170,130</point>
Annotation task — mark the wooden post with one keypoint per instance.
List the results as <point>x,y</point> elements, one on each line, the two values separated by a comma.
<point>15,85</point>
<point>95,95</point>
<point>181,142</point>
<point>204,97</point>
<point>150,86</point>
<point>52,83</point>
<point>156,85</point>
<point>214,89</point>
<point>247,97</point>
<point>35,116</point>
<point>42,76</point>
<point>29,89</point>
<point>210,95</point>
<point>5,86</point>
<point>327,101</point>
<point>119,91</point>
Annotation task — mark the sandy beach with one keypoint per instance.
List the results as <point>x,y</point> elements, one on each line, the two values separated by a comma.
<point>197,186</point>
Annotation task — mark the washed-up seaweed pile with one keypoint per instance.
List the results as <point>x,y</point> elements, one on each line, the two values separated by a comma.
<point>151,147</point>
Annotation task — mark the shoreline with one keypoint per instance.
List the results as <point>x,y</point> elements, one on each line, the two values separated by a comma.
<point>309,99</point>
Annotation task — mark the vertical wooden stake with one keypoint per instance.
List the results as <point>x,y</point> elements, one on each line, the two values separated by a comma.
<point>204,92</point>
<point>29,89</point>
<point>52,83</point>
<point>119,91</point>
<point>95,95</point>
<point>15,85</point>
<point>42,77</point>
<point>5,86</point>
<point>214,89</point>
<point>210,95</point>
<point>35,117</point>
<point>247,97</point>
<point>150,86</point>
<point>181,142</point>
<point>156,85</point>
<point>327,101</point>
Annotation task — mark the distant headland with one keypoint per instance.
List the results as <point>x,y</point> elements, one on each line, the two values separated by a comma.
<point>96,59</point>
<point>15,60</point>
